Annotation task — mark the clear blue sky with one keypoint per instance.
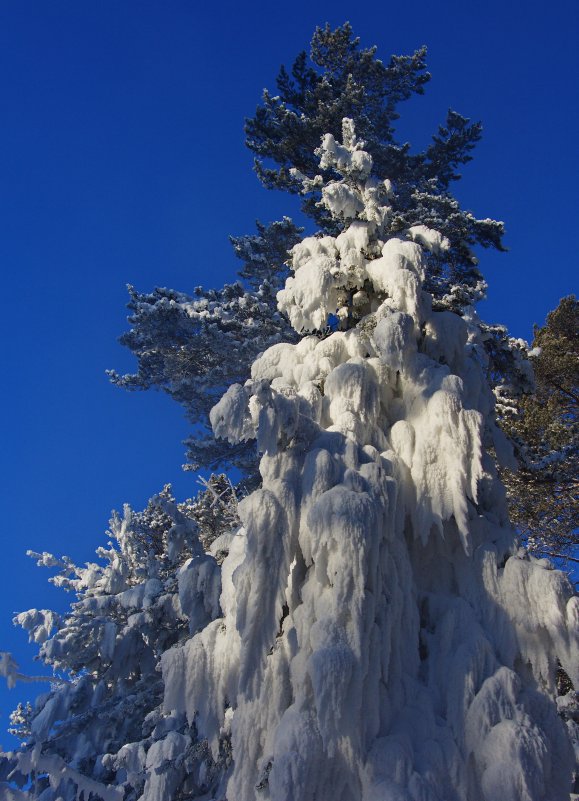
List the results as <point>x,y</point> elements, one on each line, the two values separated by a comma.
<point>122,160</point>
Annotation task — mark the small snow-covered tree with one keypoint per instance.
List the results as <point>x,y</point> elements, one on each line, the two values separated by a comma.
<point>381,635</point>
<point>101,729</point>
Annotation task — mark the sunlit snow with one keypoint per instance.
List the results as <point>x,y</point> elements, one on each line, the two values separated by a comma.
<point>382,638</point>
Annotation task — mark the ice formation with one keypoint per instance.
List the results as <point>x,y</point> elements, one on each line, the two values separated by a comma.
<point>382,638</point>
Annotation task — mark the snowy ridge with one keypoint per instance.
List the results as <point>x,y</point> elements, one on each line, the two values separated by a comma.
<point>381,637</point>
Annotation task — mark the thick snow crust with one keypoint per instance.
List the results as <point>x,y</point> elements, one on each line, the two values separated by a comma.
<point>381,637</point>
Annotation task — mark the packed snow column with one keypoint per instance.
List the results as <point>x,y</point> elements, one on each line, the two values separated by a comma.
<point>381,637</point>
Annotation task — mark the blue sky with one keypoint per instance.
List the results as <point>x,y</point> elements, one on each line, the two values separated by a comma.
<point>122,161</point>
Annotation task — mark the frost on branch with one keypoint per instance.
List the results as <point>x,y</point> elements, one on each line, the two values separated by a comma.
<point>193,347</point>
<point>381,635</point>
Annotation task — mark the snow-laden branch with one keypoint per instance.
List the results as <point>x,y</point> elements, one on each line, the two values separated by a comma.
<point>9,670</point>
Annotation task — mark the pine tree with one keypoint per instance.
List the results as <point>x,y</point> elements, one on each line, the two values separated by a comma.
<point>193,347</point>
<point>102,729</point>
<point>543,493</point>
<point>381,634</point>
<point>339,80</point>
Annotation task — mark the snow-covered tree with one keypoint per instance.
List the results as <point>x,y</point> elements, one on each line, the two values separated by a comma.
<point>101,730</point>
<point>341,79</point>
<point>193,347</point>
<point>362,626</point>
<point>381,635</point>
<point>544,425</point>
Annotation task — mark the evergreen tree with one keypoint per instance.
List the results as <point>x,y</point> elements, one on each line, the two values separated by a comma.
<point>101,730</point>
<point>193,347</point>
<point>543,493</point>
<point>339,80</point>
<point>381,636</point>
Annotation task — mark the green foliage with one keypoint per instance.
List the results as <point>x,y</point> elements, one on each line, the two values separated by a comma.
<point>544,493</point>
